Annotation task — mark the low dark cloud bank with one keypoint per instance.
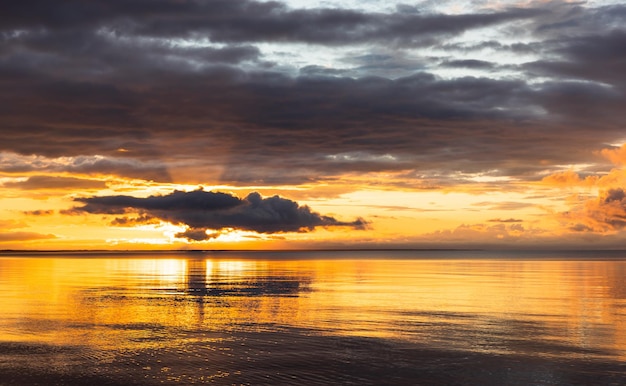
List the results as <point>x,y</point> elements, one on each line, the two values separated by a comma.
<point>202,210</point>
<point>85,78</point>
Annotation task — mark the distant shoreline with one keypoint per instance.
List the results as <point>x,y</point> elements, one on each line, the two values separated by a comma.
<point>18,252</point>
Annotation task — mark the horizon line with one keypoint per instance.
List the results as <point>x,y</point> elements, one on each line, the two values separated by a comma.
<point>385,249</point>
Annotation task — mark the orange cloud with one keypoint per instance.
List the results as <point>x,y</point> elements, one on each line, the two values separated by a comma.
<point>569,178</point>
<point>615,178</point>
<point>24,236</point>
<point>605,213</point>
<point>615,155</point>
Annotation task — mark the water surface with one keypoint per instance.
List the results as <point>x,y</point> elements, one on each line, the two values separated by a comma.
<point>377,317</point>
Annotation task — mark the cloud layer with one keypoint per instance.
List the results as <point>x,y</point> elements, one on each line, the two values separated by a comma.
<point>230,91</point>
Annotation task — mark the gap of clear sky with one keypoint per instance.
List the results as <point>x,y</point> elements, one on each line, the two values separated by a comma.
<point>221,124</point>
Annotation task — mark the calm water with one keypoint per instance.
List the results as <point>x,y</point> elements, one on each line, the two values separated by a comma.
<point>311,318</point>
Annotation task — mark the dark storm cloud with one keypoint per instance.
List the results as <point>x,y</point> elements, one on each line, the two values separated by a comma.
<point>89,53</point>
<point>244,21</point>
<point>177,201</point>
<point>598,57</point>
<point>201,210</point>
<point>314,70</point>
<point>582,43</point>
<point>85,78</point>
<point>264,115</point>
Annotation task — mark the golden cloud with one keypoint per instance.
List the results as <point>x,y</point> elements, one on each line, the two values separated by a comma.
<point>569,178</point>
<point>605,213</point>
<point>615,155</point>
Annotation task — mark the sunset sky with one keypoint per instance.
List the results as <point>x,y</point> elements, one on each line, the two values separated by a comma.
<point>222,124</point>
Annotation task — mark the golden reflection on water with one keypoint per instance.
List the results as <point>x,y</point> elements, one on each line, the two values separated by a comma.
<point>496,306</point>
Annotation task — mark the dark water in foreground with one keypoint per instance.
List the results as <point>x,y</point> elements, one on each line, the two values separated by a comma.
<point>307,318</point>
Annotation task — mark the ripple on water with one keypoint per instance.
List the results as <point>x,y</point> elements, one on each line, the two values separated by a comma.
<point>287,356</point>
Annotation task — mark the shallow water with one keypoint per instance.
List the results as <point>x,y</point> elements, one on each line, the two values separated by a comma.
<point>378,317</point>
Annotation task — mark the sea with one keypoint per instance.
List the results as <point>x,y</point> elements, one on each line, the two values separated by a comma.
<point>409,317</point>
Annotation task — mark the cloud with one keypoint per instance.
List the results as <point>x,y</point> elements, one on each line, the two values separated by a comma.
<point>178,201</point>
<point>616,155</point>
<point>24,236</point>
<point>569,178</point>
<point>578,39</point>
<point>82,164</point>
<point>196,234</point>
<point>200,210</point>
<point>7,233</point>
<point>49,182</point>
<point>11,224</point>
<point>605,213</point>
<point>247,21</point>
<point>134,221</point>
<point>508,220</point>
<point>469,63</point>
<point>38,212</point>
<point>506,205</point>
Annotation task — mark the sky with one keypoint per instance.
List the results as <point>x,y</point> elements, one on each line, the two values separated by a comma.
<point>220,124</point>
